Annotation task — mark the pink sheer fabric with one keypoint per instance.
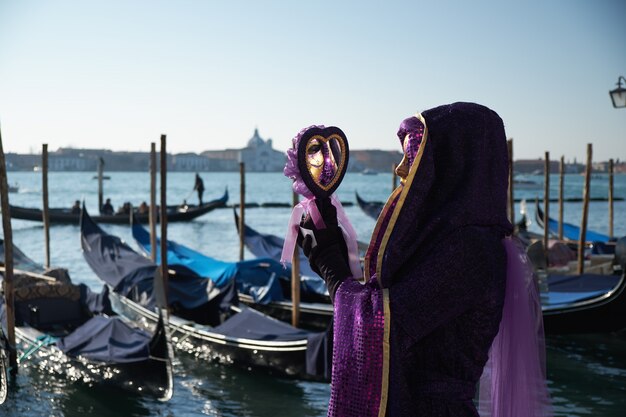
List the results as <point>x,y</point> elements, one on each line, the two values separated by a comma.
<point>513,381</point>
<point>308,206</point>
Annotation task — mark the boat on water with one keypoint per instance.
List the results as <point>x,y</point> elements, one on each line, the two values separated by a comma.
<point>591,303</point>
<point>521,183</point>
<point>175,213</point>
<point>65,329</point>
<point>588,303</point>
<point>14,188</point>
<point>206,321</point>
<point>598,242</point>
<point>368,171</point>
<point>262,283</point>
<point>371,208</point>
<point>4,367</point>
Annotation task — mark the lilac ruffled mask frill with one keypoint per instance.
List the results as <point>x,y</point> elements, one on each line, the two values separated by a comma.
<point>308,206</point>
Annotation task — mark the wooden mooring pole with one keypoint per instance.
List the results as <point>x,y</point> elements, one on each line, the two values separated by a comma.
<point>46,205</point>
<point>242,205</point>
<point>8,261</point>
<point>295,279</point>
<point>511,205</point>
<point>100,178</point>
<point>152,214</point>
<point>546,204</point>
<point>561,187</point>
<point>583,222</point>
<point>163,219</point>
<point>611,198</point>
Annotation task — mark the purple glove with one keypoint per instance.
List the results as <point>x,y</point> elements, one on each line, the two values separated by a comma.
<point>325,248</point>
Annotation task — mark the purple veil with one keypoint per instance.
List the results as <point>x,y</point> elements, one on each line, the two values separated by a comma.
<point>513,380</point>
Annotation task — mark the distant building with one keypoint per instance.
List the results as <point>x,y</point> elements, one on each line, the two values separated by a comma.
<point>534,166</point>
<point>258,156</point>
<point>191,162</point>
<point>373,160</point>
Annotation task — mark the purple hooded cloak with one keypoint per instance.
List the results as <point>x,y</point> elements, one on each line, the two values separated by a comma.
<point>413,341</point>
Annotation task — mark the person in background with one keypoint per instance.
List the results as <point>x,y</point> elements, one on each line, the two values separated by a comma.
<point>107,208</point>
<point>143,208</point>
<point>449,297</point>
<point>76,207</point>
<point>199,187</point>
<point>124,208</point>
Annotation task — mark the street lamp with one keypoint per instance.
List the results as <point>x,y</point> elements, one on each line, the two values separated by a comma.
<point>618,96</point>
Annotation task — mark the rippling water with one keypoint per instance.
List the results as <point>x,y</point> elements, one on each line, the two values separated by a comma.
<point>586,373</point>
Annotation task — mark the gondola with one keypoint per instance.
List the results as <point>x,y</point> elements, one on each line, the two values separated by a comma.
<point>271,246</point>
<point>371,208</point>
<point>600,243</point>
<point>205,321</point>
<point>65,329</point>
<point>588,303</point>
<point>262,283</point>
<point>264,245</point>
<point>4,366</point>
<point>174,213</point>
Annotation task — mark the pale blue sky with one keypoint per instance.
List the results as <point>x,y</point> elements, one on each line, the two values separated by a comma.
<point>118,73</point>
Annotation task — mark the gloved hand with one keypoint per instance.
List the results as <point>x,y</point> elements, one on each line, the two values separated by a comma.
<point>325,248</point>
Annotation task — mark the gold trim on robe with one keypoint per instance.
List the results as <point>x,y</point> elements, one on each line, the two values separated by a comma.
<point>403,189</point>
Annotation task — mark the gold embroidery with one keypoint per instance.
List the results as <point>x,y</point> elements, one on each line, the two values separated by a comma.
<point>384,395</point>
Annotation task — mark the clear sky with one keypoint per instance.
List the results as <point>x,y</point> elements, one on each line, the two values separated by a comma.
<point>117,73</point>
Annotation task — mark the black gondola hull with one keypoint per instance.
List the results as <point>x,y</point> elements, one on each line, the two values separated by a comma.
<point>151,377</point>
<point>287,360</point>
<point>315,316</point>
<point>603,314</point>
<point>65,216</point>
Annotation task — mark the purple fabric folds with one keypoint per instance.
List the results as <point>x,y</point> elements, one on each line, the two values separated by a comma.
<point>359,324</point>
<point>513,380</point>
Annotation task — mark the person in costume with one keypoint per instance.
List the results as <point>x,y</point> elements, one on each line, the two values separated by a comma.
<point>448,303</point>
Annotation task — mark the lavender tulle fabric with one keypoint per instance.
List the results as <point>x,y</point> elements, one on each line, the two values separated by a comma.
<point>513,381</point>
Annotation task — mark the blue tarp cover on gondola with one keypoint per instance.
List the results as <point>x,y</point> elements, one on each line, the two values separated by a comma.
<point>271,246</point>
<point>568,289</point>
<point>20,260</point>
<point>572,232</point>
<point>108,340</point>
<point>250,324</point>
<point>127,271</point>
<point>257,278</point>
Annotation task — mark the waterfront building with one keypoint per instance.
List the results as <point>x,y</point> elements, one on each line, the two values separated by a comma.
<point>258,155</point>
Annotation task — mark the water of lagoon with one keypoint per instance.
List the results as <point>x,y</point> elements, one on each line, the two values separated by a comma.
<point>586,373</point>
